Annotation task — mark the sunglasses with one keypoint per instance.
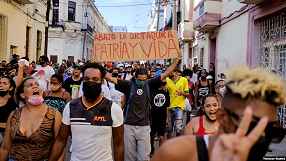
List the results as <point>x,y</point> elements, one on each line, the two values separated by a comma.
<point>274,128</point>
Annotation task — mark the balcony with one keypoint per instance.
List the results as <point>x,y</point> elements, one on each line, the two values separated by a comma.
<point>186,31</point>
<point>251,1</point>
<point>23,2</point>
<point>207,15</point>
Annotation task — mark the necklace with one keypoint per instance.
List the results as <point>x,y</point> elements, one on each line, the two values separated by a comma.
<point>90,106</point>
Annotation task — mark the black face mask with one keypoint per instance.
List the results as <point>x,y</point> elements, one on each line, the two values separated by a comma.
<point>91,90</point>
<point>3,93</point>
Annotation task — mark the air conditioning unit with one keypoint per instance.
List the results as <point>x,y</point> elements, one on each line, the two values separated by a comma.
<point>251,1</point>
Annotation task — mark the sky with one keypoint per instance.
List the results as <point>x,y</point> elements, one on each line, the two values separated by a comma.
<point>131,13</point>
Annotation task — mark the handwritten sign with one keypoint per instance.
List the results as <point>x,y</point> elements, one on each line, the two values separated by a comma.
<point>124,46</point>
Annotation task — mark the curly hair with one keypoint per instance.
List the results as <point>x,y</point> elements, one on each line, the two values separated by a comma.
<point>256,83</point>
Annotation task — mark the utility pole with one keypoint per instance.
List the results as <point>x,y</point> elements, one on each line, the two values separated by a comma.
<point>158,14</point>
<point>47,27</point>
<point>174,25</point>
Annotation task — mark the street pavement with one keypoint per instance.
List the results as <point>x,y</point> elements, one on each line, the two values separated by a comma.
<point>278,149</point>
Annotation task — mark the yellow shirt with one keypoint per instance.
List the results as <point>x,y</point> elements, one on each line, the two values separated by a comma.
<point>181,85</point>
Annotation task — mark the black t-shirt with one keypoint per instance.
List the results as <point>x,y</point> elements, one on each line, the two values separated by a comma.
<point>6,110</point>
<point>160,99</point>
<point>137,110</point>
<point>71,84</point>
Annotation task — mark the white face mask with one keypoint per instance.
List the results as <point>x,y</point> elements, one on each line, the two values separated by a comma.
<point>222,91</point>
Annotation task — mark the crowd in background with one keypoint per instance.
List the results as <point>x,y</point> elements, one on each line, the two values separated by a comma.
<point>182,102</point>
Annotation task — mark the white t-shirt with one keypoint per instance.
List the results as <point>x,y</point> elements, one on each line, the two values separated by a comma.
<point>91,142</point>
<point>115,94</point>
<point>194,78</point>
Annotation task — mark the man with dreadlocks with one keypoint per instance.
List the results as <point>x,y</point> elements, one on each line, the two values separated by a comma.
<point>248,122</point>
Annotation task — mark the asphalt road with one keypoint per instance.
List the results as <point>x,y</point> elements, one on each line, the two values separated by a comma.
<point>278,149</point>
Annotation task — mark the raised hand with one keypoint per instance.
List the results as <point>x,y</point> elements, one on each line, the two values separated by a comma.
<point>236,146</point>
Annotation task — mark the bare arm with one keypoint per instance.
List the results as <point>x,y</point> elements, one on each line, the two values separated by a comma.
<point>7,141</point>
<point>109,77</point>
<point>123,101</point>
<point>2,125</point>
<point>20,75</point>
<point>189,130</point>
<point>118,143</point>
<point>57,127</point>
<point>178,149</point>
<point>60,142</point>
<point>170,69</point>
<point>67,96</point>
<point>196,94</point>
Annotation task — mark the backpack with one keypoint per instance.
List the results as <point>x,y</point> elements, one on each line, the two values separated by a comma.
<point>132,92</point>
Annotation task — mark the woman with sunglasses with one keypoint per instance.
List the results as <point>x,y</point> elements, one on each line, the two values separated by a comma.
<point>57,96</point>
<point>206,123</point>
<point>254,91</point>
<point>31,129</point>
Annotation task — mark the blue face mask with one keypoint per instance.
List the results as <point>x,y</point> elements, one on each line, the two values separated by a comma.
<point>139,83</point>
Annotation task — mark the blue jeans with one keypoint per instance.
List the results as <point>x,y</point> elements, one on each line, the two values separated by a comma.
<point>176,125</point>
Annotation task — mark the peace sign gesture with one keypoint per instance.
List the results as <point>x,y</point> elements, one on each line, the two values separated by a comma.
<point>236,146</point>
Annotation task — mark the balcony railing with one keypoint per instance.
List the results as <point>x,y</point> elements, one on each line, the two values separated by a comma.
<point>207,15</point>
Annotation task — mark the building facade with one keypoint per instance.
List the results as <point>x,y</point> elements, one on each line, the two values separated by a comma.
<point>73,24</point>
<point>185,30</point>
<point>22,28</point>
<point>162,18</point>
<point>244,32</point>
<point>156,16</point>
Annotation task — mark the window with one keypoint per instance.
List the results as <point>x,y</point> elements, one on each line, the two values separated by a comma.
<point>271,50</point>
<point>71,11</point>
<point>13,49</point>
<point>55,3</point>
<point>54,59</point>
<point>39,44</point>
<point>202,57</point>
<point>71,58</point>
<point>3,37</point>
<point>28,31</point>
<point>55,12</point>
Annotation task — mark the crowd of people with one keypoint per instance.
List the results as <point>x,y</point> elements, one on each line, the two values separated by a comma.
<point>87,111</point>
